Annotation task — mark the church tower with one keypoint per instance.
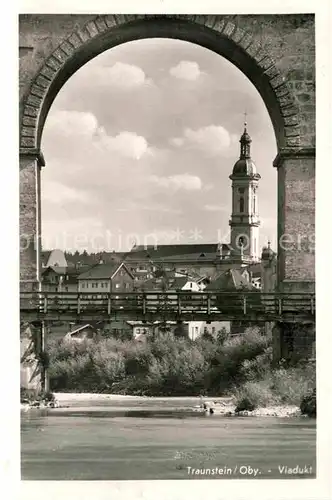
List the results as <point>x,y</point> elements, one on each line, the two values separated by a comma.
<point>245,221</point>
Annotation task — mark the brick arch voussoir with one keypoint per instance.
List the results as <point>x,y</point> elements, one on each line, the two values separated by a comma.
<point>278,82</point>
<point>101,23</point>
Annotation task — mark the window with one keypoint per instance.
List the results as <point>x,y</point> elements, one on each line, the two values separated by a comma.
<point>102,285</point>
<point>117,285</point>
<point>254,206</point>
<point>138,331</point>
<point>213,330</point>
<point>83,285</point>
<point>241,204</point>
<point>196,330</point>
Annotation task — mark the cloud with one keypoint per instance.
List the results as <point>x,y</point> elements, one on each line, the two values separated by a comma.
<point>74,131</point>
<point>56,192</point>
<point>212,140</point>
<point>125,76</point>
<point>184,181</point>
<point>131,206</point>
<point>119,76</point>
<point>186,70</point>
<point>176,141</point>
<point>71,123</point>
<point>216,208</point>
<point>127,144</point>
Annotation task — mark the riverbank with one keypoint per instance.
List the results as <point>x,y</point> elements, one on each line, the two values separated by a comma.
<point>224,406</point>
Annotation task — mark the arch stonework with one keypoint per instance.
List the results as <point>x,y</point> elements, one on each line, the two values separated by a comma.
<point>277,53</point>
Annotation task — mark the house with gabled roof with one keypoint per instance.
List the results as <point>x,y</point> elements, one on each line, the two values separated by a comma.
<point>82,332</point>
<point>106,278</point>
<point>231,280</point>
<point>170,283</point>
<point>59,279</point>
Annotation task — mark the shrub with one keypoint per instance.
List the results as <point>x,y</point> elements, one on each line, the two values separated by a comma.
<point>308,404</point>
<point>179,366</point>
<point>252,395</point>
<point>293,383</point>
<point>258,367</point>
<point>245,404</point>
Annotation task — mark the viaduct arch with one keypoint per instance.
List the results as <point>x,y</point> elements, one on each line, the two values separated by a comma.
<point>277,53</point>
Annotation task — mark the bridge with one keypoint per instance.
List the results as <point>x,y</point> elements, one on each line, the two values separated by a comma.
<point>179,306</point>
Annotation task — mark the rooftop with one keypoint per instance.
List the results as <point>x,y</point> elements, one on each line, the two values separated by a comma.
<point>103,271</point>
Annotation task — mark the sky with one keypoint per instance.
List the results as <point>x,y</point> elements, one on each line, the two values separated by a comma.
<point>139,145</point>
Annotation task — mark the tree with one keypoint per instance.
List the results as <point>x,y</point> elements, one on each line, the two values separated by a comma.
<point>222,335</point>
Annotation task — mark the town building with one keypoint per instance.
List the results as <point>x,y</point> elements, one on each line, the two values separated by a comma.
<point>60,279</point>
<point>232,280</point>
<point>106,278</point>
<point>81,333</point>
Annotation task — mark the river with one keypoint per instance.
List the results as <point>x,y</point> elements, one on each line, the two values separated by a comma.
<point>162,439</point>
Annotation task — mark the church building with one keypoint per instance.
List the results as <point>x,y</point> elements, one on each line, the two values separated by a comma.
<point>210,259</point>
<point>244,220</point>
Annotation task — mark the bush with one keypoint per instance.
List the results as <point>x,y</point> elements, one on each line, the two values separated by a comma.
<point>293,383</point>
<point>257,368</point>
<point>252,395</point>
<point>245,404</point>
<point>179,367</point>
<point>308,404</point>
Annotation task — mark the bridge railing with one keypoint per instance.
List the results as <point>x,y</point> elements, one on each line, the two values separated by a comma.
<point>184,302</point>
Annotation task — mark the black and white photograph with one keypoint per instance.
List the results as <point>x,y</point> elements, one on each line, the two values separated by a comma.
<point>167,287</point>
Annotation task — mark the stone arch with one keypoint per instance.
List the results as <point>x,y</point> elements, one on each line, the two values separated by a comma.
<point>217,33</point>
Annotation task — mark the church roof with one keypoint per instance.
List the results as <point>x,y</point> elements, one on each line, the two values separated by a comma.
<point>176,252</point>
<point>231,280</point>
<point>268,253</point>
<point>244,165</point>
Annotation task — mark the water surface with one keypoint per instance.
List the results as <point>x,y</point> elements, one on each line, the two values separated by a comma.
<point>162,439</point>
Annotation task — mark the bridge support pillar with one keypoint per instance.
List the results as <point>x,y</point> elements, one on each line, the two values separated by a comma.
<point>296,243</point>
<point>293,341</point>
<point>296,219</point>
<point>31,163</point>
<point>34,377</point>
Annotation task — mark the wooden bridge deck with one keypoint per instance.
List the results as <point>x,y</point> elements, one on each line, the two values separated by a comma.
<point>179,306</point>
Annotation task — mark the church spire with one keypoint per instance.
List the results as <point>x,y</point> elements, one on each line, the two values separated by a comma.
<point>245,141</point>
